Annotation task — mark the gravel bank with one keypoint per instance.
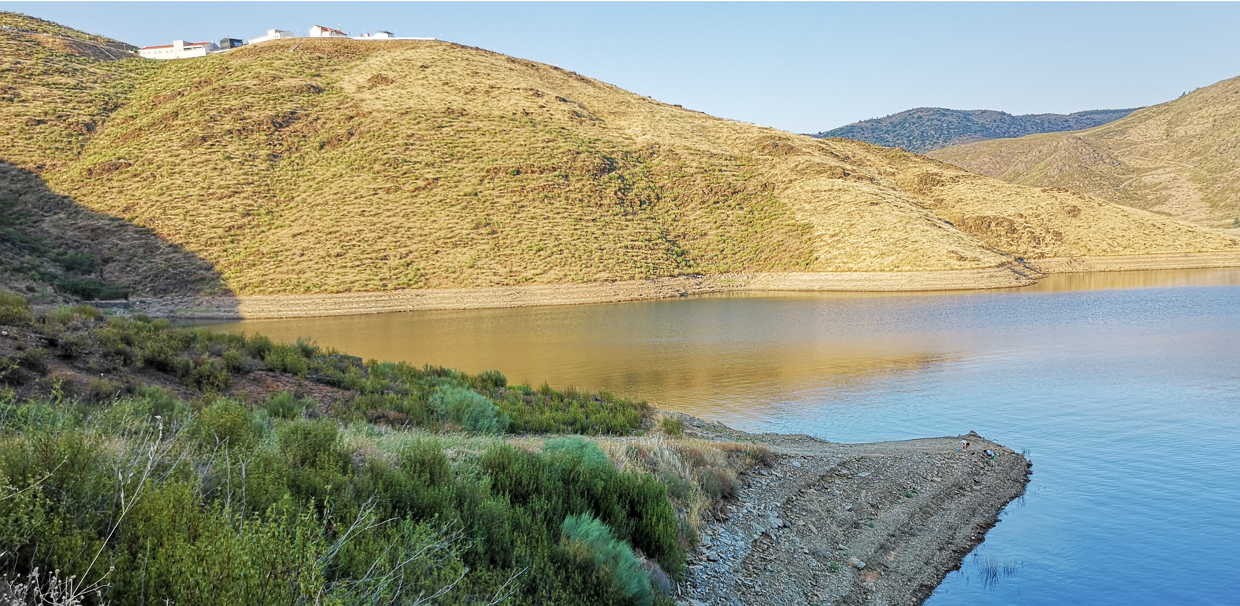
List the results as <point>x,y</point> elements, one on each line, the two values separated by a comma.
<point>828,523</point>
<point>342,304</point>
<point>301,306</point>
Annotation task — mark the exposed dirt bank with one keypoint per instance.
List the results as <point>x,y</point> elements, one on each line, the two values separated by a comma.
<point>295,306</point>
<point>1064,265</point>
<point>828,523</point>
<point>1006,276</point>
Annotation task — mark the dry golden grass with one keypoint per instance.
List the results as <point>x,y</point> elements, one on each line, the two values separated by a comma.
<point>304,166</point>
<point>1179,158</point>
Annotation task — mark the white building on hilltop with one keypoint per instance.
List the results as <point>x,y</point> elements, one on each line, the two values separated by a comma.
<point>319,31</point>
<point>179,49</point>
<point>272,34</point>
<point>379,35</point>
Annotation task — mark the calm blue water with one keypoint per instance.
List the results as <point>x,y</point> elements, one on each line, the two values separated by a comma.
<point>1128,403</point>
<point>1124,389</point>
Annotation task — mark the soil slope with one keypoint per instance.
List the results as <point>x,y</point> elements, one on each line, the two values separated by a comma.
<point>1178,158</point>
<point>335,166</point>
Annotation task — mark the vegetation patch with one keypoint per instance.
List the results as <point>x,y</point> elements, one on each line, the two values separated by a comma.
<point>133,470</point>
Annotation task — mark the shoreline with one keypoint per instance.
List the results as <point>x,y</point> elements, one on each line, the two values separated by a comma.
<point>1009,275</point>
<point>870,523</point>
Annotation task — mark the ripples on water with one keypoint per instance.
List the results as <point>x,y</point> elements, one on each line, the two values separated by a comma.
<point>1124,388</point>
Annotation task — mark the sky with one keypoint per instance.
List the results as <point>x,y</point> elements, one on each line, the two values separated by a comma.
<point>796,66</point>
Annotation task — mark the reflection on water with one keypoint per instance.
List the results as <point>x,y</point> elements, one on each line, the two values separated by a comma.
<point>712,353</point>
<point>1123,387</point>
<point>1119,280</point>
<point>739,353</point>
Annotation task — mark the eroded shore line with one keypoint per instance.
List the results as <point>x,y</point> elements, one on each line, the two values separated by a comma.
<point>1009,275</point>
<point>827,523</point>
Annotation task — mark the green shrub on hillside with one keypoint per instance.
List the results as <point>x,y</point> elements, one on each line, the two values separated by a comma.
<point>284,405</point>
<point>613,556</point>
<point>468,409</point>
<point>225,423</point>
<point>14,309</point>
<point>577,449</point>
<point>309,516</point>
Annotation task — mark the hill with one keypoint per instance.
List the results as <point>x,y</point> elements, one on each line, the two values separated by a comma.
<point>333,166</point>
<point>57,87</point>
<point>927,128</point>
<point>1178,158</point>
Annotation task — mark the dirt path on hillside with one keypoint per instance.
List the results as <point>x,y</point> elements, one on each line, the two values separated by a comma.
<point>841,524</point>
<point>1006,276</point>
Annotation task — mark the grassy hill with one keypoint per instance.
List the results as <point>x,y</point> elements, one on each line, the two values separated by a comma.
<point>303,166</point>
<point>1178,158</point>
<point>927,128</point>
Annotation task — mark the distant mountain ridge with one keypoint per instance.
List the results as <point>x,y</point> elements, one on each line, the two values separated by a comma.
<point>1177,158</point>
<point>928,128</point>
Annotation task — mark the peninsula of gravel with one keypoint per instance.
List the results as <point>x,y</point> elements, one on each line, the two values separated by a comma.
<point>829,523</point>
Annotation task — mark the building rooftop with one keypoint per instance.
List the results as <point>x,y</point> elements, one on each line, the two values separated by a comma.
<point>187,45</point>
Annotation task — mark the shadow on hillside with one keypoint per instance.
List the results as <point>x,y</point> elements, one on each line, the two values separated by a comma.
<point>52,246</point>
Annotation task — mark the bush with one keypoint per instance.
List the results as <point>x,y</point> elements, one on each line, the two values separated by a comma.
<point>209,375</point>
<point>610,554</point>
<point>225,422</point>
<point>469,409</point>
<point>718,483</point>
<point>491,380</point>
<point>14,309</point>
<point>584,451</point>
<point>101,389</point>
<point>287,358</point>
<point>672,426</point>
<point>91,289</point>
<point>285,405</point>
<point>310,443</point>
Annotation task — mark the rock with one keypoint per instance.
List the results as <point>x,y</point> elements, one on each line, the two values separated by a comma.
<point>864,474</point>
<point>856,562</point>
<point>659,581</point>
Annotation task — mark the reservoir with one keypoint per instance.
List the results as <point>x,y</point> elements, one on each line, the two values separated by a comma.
<point>1123,388</point>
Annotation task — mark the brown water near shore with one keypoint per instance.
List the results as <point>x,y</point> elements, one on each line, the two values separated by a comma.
<point>743,351</point>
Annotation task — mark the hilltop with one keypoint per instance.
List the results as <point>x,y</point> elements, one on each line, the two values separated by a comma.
<point>342,166</point>
<point>924,129</point>
<point>1178,158</point>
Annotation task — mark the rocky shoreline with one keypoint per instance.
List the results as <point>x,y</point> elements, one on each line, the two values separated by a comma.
<point>827,523</point>
<point>1008,275</point>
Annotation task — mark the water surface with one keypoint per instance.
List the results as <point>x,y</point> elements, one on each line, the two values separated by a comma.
<point>1124,388</point>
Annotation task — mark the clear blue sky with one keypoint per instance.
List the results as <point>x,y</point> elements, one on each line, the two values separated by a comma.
<point>800,67</point>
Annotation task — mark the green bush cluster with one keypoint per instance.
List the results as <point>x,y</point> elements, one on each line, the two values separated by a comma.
<point>231,505</point>
<point>14,310</point>
<point>613,556</point>
<point>468,409</point>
